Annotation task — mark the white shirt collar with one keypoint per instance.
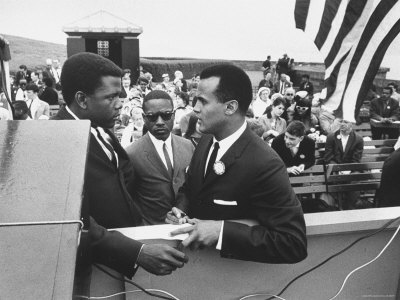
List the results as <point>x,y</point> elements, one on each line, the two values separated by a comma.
<point>227,142</point>
<point>158,144</point>
<point>71,113</point>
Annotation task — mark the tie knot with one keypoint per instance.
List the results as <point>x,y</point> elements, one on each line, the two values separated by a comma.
<point>216,146</point>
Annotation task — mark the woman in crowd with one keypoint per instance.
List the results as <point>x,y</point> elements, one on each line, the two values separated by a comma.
<point>302,112</point>
<point>134,130</point>
<point>182,108</point>
<point>272,121</point>
<point>262,102</point>
<point>193,134</point>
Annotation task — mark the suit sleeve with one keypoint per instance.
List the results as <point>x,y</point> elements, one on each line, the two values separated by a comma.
<point>395,113</point>
<point>374,111</point>
<point>358,150</point>
<point>113,249</point>
<point>329,156</point>
<point>310,157</point>
<point>280,236</point>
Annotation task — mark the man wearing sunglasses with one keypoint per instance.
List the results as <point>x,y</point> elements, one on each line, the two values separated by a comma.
<point>235,175</point>
<point>91,85</point>
<point>159,159</point>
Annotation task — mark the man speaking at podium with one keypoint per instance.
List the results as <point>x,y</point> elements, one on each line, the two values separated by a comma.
<point>234,175</point>
<point>91,86</point>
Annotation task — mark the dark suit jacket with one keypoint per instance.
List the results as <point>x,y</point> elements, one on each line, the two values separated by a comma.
<point>152,187</point>
<point>308,87</point>
<point>277,86</point>
<point>256,179</point>
<point>378,109</point>
<point>334,152</point>
<point>305,155</point>
<point>389,190</point>
<point>109,205</point>
<point>49,95</point>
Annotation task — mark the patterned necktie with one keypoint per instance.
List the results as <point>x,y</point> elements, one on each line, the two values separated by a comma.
<point>109,148</point>
<point>168,160</point>
<point>212,159</point>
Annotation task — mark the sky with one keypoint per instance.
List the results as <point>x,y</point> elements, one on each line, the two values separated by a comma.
<point>218,29</point>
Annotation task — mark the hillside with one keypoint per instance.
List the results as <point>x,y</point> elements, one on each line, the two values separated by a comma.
<point>33,53</point>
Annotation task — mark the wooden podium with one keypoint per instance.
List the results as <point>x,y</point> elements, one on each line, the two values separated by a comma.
<point>42,166</point>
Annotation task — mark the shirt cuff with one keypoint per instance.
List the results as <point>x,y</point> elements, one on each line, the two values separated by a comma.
<point>136,265</point>
<point>219,244</point>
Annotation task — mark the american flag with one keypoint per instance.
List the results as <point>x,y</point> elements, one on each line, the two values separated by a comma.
<point>352,36</point>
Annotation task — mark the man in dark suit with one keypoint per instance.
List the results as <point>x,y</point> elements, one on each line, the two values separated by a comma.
<point>234,175</point>
<point>384,110</point>
<point>160,160</point>
<point>344,146</point>
<point>389,190</point>
<point>306,85</point>
<point>295,148</point>
<point>282,84</point>
<point>91,85</point>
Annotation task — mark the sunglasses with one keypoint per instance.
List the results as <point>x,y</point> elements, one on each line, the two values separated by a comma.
<point>166,116</point>
<point>302,108</point>
<point>289,95</point>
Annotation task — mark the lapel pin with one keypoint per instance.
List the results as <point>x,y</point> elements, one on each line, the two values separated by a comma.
<point>302,156</point>
<point>219,167</point>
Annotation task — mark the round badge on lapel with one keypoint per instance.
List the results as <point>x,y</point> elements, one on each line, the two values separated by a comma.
<point>219,167</point>
<point>302,156</point>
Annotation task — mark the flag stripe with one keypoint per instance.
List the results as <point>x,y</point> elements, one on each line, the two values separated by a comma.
<point>330,10</point>
<point>315,14</point>
<point>353,12</point>
<point>301,13</point>
<point>330,82</point>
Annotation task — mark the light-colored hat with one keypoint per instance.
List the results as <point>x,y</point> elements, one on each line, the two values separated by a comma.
<point>165,75</point>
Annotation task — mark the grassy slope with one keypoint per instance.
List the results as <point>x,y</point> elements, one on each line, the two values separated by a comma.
<point>33,53</point>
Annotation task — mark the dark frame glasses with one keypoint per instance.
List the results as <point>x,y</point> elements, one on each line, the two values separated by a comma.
<point>302,108</point>
<point>165,115</point>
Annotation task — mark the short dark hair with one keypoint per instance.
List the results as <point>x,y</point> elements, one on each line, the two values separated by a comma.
<point>234,84</point>
<point>21,104</point>
<point>296,128</point>
<point>269,57</point>
<point>83,72</point>
<point>279,101</point>
<point>306,76</point>
<point>23,67</point>
<point>157,94</point>
<point>32,87</point>
<point>142,78</point>
<point>389,89</point>
<point>48,82</point>
<point>184,97</point>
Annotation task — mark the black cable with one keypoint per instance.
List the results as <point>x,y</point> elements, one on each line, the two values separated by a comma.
<point>336,254</point>
<point>133,283</point>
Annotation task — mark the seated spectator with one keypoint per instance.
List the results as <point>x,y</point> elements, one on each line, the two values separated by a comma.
<point>344,146</point>
<point>49,94</point>
<point>134,130</point>
<point>21,111</point>
<point>306,85</point>
<point>295,149</point>
<point>256,126</point>
<point>143,83</point>
<point>182,108</point>
<point>193,133</point>
<point>21,93</point>
<point>195,82</point>
<point>288,96</point>
<point>166,81</point>
<point>38,109</point>
<point>267,81</point>
<point>301,111</point>
<point>384,110</point>
<point>395,95</point>
<point>262,102</point>
<point>179,75</point>
<point>134,101</point>
<point>281,85</point>
<point>272,122</point>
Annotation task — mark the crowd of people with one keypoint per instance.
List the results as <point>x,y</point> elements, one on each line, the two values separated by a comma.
<point>201,151</point>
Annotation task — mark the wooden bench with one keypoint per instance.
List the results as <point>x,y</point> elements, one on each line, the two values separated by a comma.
<point>364,129</point>
<point>374,150</point>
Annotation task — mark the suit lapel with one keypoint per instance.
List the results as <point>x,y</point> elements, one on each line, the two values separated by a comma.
<point>175,152</point>
<point>153,157</point>
<point>350,142</point>
<point>233,153</point>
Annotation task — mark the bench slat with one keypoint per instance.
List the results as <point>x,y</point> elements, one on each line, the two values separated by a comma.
<point>354,177</point>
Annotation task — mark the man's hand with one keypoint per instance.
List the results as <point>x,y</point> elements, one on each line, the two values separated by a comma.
<point>176,217</point>
<point>295,170</point>
<point>201,234</point>
<point>161,259</point>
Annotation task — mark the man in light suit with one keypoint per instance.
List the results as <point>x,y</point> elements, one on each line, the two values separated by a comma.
<point>93,94</point>
<point>38,109</point>
<point>282,84</point>
<point>234,175</point>
<point>158,174</point>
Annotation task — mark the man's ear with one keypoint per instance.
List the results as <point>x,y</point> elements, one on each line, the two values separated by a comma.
<point>302,138</point>
<point>81,100</point>
<point>231,107</point>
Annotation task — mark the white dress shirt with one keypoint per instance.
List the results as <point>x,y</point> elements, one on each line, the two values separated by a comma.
<point>344,139</point>
<point>158,144</point>
<point>224,146</point>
